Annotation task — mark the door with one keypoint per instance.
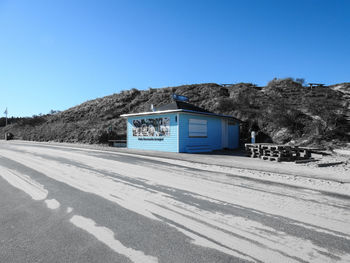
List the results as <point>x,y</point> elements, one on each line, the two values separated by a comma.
<point>224,133</point>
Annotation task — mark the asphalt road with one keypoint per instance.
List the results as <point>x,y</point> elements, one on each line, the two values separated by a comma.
<point>68,204</point>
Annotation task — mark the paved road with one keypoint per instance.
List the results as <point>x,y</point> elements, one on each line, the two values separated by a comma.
<point>67,204</point>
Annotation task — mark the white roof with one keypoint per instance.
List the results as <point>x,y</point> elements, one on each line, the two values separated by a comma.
<point>174,111</point>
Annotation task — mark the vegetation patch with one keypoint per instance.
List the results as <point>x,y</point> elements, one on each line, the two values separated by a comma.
<point>284,111</point>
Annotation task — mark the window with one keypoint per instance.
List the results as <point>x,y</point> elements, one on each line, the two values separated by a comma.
<point>197,128</point>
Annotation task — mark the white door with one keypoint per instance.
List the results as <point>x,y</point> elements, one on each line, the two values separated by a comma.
<point>224,133</point>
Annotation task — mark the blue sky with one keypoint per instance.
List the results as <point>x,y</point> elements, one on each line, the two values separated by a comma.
<point>57,54</point>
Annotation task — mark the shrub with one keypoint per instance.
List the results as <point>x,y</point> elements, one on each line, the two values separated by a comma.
<point>225,104</point>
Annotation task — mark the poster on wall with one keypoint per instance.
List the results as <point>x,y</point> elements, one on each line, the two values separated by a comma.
<point>155,127</point>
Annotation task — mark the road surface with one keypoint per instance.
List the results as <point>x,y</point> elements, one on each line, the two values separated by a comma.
<point>69,204</point>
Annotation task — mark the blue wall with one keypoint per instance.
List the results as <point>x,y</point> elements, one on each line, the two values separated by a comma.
<point>168,143</point>
<point>210,143</point>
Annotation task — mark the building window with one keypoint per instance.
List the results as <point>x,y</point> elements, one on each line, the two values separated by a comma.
<point>197,128</point>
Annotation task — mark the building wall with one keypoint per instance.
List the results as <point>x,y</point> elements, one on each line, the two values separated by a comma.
<point>210,143</point>
<point>163,143</point>
<point>178,139</point>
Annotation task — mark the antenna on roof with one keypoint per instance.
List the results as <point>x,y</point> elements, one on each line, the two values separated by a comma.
<point>179,97</point>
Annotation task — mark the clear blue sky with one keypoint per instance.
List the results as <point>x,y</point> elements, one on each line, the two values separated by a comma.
<point>57,54</point>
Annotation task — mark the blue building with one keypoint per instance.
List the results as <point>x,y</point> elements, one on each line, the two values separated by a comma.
<point>181,127</point>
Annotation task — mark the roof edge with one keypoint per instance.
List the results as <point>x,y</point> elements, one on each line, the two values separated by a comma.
<point>178,110</point>
<point>148,113</point>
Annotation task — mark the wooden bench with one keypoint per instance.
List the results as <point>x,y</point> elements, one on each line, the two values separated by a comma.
<point>117,143</point>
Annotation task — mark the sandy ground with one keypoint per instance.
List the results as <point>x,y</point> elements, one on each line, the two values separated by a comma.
<point>236,159</point>
<point>341,161</point>
<point>206,208</point>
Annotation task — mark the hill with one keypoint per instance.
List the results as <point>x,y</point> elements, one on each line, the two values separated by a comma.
<point>284,111</point>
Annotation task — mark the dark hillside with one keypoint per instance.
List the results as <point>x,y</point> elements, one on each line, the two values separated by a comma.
<point>283,111</point>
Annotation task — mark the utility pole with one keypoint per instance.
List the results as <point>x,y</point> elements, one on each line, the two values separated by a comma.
<point>6,116</point>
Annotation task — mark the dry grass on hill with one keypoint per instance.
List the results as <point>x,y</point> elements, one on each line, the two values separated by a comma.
<point>283,112</point>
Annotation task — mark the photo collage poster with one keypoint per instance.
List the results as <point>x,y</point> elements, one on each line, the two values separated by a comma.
<point>151,127</point>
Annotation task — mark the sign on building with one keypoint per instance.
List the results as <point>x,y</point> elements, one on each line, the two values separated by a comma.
<point>154,127</point>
